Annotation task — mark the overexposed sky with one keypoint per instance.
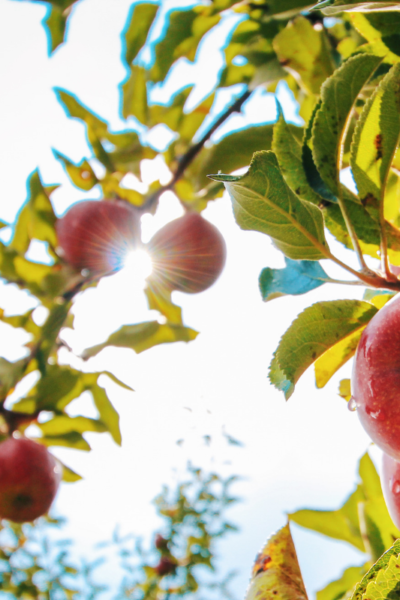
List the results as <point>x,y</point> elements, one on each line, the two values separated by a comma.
<point>298,454</point>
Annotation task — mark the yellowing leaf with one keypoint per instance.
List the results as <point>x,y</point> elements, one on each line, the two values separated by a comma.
<point>336,357</point>
<point>276,572</point>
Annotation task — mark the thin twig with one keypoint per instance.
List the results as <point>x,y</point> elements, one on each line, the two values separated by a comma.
<point>194,150</point>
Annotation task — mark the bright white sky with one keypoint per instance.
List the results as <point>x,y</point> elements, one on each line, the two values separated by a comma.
<point>298,454</point>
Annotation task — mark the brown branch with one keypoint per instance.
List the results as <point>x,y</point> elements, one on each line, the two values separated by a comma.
<point>194,150</point>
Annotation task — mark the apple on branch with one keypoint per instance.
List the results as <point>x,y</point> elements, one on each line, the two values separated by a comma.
<point>376,379</point>
<point>188,254</point>
<point>29,479</point>
<point>96,235</point>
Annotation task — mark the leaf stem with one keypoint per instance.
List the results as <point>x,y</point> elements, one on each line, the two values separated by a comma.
<point>194,150</point>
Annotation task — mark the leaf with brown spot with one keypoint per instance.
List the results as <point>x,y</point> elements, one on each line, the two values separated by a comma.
<point>276,572</point>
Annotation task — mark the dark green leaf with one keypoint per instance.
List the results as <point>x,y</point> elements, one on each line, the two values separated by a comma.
<point>315,330</point>
<point>263,202</point>
<point>288,149</point>
<point>298,277</point>
<point>339,94</point>
<point>376,140</point>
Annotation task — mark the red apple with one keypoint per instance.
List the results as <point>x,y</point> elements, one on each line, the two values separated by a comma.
<point>188,254</point>
<point>29,479</point>
<point>376,378</point>
<point>391,487</point>
<point>166,566</point>
<point>96,235</point>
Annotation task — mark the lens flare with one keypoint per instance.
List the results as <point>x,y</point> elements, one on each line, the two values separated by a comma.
<point>138,264</point>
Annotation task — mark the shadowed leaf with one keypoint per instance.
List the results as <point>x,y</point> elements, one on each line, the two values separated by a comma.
<point>298,277</point>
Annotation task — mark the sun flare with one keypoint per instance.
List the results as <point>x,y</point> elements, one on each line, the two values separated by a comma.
<point>138,263</point>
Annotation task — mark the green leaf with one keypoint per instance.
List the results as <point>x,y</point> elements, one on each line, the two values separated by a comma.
<point>339,524</point>
<point>36,219</point>
<point>298,277</point>
<point>61,424</point>
<point>332,7</point>
<point>263,202</point>
<point>186,28</point>
<point>68,440</point>
<point>381,29</point>
<point>233,152</point>
<point>55,25</point>
<point>55,390</point>
<point>68,475</point>
<point>81,174</point>
<point>339,94</point>
<point>10,373</point>
<point>303,49</point>
<point>107,412</point>
<point>377,526</point>
<point>134,95</point>
<point>381,576</point>
<point>276,571</point>
<point>139,21</point>
<point>336,590</point>
<point>143,336</point>
<point>288,149</point>
<point>376,139</point>
<point>285,8</point>
<point>315,330</point>
<point>160,299</point>
<point>178,30</point>
<point>334,358</point>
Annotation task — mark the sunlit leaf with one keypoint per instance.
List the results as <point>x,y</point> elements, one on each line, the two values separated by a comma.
<point>334,358</point>
<point>383,576</point>
<point>68,475</point>
<point>61,424</point>
<point>316,330</point>
<point>345,389</point>
<point>332,7</point>
<point>134,95</point>
<point>160,299</point>
<point>143,336</point>
<point>68,440</point>
<point>36,219</point>
<point>339,94</point>
<point>263,202</point>
<point>107,412</point>
<point>276,571</point>
<point>341,524</point>
<point>302,48</point>
<point>376,139</point>
<point>138,25</point>
<point>81,174</point>
<point>344,585</point>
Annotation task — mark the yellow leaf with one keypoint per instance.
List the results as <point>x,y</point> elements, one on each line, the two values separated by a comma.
<point>276,572</point>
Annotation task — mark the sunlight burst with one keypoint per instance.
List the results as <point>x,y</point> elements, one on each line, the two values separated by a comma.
<point>138,263</point>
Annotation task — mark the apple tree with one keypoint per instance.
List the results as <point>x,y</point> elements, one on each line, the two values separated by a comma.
<point>341,61</point>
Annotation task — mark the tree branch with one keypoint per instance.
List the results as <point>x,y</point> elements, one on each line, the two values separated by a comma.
<point>194,150</point>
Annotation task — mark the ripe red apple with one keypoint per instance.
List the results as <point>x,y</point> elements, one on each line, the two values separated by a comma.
<point>166,566</point>
<point>29,479</point>
<point>96,235</point>
<point>391,487</point>
<point>188,254</point>
<point>376,378</point>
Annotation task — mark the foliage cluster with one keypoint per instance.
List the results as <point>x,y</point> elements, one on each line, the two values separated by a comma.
<point>345,76</point>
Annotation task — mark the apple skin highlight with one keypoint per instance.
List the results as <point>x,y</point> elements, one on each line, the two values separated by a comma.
<point>375,380</point>
<point>97,234</point>
<point>29,479</point>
